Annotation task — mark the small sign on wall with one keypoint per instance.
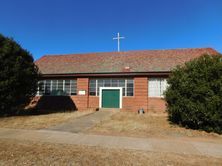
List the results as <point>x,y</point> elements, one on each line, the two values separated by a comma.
<point>82,92</point>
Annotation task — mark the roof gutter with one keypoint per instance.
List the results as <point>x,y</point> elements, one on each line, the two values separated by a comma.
<point>122,74</point>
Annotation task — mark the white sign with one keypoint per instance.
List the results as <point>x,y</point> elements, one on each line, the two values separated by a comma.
<point>82,92</point>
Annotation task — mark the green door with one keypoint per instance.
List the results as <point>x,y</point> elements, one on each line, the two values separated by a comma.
<point>110,98</point>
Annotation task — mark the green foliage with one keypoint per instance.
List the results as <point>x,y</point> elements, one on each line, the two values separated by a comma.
<point>18,76</point>
<point>194,95</point>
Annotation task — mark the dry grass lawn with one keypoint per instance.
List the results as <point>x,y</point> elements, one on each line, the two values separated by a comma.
<point>39,121</point>
<point>147,125</point>
<point>34,153</point>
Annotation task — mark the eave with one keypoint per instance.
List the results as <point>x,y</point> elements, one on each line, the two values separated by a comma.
<point>119,74</point>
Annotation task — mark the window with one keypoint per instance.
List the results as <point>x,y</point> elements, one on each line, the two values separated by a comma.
<point>57,87</point>
<point>126,84</point>
<point>54,87</point>
<point>157,86</point>
<point>92,87</point>
<point>129,87</point>
<point>41,88</point>
<point>73,86</point>
<point>47,87</point>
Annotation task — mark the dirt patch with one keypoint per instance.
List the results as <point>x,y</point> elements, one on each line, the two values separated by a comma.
<point>39,121</point>
<point>34,153</point>
<point>147,125</point>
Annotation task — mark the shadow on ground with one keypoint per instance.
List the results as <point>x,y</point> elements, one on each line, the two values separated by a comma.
<point>47,105</point>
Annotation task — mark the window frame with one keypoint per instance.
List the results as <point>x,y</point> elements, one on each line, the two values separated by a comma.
<point>118,85</point>
<point>60,86</point>
<point>161,91</point>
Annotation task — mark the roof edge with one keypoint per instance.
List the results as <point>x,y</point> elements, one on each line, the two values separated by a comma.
<point>108,74</point>
<point>121,52</point>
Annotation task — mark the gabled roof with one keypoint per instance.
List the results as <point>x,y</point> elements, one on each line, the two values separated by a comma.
<point>118,62</point>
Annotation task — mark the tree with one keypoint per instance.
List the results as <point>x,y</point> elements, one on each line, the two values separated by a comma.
<point>194,95</point>
<point>18,76</point>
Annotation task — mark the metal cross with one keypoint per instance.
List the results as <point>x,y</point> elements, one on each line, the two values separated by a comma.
<point>118,40</point>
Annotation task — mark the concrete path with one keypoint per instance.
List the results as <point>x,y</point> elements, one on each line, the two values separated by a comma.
<point>82,123</point>
<point>149,144</point>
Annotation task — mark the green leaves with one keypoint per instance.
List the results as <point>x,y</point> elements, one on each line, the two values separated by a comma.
<point>18,76</point>
<point>194,97</point>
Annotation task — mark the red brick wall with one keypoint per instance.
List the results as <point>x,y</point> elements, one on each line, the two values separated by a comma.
<point>130,103</point>
<point>140,98</point>
<point>93,102</point>
<point>81,101</point>
<point>156,104</point>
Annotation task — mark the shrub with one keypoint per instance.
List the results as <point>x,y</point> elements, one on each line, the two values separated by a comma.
<point>194,95</point>
<point>18,76</point>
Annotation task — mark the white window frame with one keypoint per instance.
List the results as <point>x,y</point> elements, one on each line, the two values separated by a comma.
<point>159,80</point>
<point>125,86</point>
<point>114,88</point>
<point>63,86</point>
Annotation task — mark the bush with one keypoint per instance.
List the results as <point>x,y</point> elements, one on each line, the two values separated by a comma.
<point>18,76</point>
<point>194,95</point>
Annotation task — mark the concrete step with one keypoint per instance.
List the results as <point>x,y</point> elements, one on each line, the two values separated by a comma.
<point>109,109</point>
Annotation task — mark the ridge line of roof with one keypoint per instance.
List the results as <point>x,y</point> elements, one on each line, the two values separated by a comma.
<point>121,52</point>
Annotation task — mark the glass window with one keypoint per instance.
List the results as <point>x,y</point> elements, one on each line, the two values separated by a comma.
<point>47,87</point>
<point>57,87</point>
<point>114,83</point>
<point>123,85</point>
<point>41,88</point>
<point>107,83</point>
<point>73,87</point>
<point>92,87</point>
<point>156,86</point>
<point>130,88</point>
<point>100,84</point>
<point>60,88</point>
<point>95,84</point>
<point>54,87</point>
<point>67,87</point>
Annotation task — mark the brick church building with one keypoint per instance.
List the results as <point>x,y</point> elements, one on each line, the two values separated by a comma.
<point>125,80</point>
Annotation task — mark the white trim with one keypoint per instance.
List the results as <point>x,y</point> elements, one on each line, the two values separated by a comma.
<point>125,87</point>
<point>118,84</point>
<point>161,84</point>
<point>120,95</point>
<point>96,87</point>
<point>51,86</point>
<point>70,87</point>
<point>63,84</point>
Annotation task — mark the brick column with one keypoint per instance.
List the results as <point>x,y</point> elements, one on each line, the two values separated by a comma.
<point>141,92</point>
<point>82,100</point>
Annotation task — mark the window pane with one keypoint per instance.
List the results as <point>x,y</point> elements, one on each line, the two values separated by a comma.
<point>67,87</point>
<point>73,87</point>
<point>114,83</point>
<point>154,88</point>
<point>130,87</point>
<point>54,87</point>
<point>122,83</point>
<point>92,87</point>
<point>60,88</point>
<point>107,82</point>
<point>124,92</point>
<point>130,92</point>
<point>163,85</point>
<point>100,84</point>
<point>40,88</point>
<point>47,87</point>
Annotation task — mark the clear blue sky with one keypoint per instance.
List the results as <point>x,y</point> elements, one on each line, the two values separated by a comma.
<point>80,26</point>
